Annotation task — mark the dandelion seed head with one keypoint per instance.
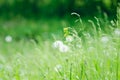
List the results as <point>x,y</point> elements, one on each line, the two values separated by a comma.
<point>8,39</point>
<point>69,38</point>
<point>117,32</point>
<point>104,39</point>
<point>63,48</point>
<point>57,44</point>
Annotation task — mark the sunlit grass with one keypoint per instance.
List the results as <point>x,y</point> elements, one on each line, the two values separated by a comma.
<point>81,53</point>
<point>90,57</point>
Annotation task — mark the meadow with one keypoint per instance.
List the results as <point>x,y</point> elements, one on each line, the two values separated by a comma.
<point>87,50</point>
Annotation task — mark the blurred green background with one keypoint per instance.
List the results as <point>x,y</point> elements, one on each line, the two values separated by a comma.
<point>33,18</point>
<point>50,8</point>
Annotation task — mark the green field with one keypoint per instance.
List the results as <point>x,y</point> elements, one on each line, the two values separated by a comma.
<point>42,50</point>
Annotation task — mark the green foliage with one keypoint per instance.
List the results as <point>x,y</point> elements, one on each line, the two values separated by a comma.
<point>32,8</point>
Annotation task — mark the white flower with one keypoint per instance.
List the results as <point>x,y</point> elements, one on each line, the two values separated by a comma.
<point>8,39</point>
<point>104,39</point>
<point>117,32</point>
<point>58,68</point>
<point>63,48</point>
<point>69,38</point>
<point>57,44</point>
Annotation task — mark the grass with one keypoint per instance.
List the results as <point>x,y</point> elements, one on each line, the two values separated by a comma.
<point>24,28</point>
<point>93,55</point>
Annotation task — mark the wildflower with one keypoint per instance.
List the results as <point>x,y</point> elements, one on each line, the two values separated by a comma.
<point>69,38</point>
<point>8,39</point>
<point>66,32</point>
<point>104,39</point>
<point>57,44</point>
<point>117,32</point>
<point>63,48</point>
<point>65,29</point>
<point>58,68</point>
